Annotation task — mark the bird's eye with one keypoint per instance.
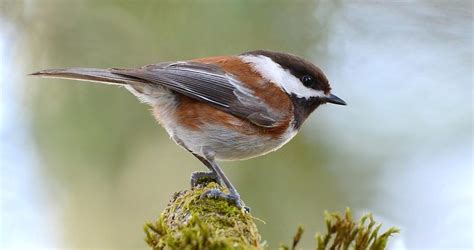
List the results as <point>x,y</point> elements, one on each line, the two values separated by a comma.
<point>307,80</point>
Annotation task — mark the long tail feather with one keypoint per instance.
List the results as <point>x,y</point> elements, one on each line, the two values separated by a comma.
<point>87,74</point>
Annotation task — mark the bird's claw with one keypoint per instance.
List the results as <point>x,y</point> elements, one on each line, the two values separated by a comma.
<point>233,199</point>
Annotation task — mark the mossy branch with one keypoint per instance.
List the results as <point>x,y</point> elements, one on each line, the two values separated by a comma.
<point>189,222</point>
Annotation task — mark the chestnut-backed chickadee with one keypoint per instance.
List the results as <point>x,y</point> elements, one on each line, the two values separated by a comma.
<point>225,107</point>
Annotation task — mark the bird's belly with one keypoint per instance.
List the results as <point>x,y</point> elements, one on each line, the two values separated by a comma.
<point>203,135</point>
<point>228,144</point>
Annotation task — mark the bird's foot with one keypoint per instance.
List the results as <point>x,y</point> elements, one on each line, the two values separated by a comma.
<point>204,178</point>
<point>233,199</point>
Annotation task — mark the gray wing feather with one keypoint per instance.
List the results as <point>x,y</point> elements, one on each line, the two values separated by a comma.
<point>208,83</point>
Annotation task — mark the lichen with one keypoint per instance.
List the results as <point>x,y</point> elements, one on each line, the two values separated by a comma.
<point>189,222</point>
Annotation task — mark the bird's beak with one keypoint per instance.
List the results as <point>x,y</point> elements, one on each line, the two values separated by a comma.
<point>335,100</point>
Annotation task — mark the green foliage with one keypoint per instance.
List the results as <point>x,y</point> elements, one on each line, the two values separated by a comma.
<point>296,239</point>
<point>344,233</point>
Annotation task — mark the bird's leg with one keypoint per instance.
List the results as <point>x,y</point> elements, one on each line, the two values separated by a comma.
<point>203,178</point>
<point>215,175</point>
<point>200,178</point>
<point>233,196</point>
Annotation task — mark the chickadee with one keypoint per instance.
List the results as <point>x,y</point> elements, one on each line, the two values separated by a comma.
<point>224,107</point>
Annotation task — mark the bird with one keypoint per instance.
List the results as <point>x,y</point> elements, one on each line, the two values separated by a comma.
<point>222,108</point>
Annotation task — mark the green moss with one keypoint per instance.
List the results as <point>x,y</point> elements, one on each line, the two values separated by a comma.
<point>296,239</point>
<point>344,233</point>
<point>189,222</point>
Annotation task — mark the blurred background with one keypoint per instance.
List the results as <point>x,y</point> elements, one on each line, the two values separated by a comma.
<point>85,165</point>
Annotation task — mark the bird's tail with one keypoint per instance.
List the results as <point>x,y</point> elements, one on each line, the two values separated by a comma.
<point>88,74</point>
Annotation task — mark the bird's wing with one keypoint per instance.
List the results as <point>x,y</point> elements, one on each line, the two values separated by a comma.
<point>208,83</point>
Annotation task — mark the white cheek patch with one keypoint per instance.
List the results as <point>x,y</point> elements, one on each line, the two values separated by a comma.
<point>273,72</point>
